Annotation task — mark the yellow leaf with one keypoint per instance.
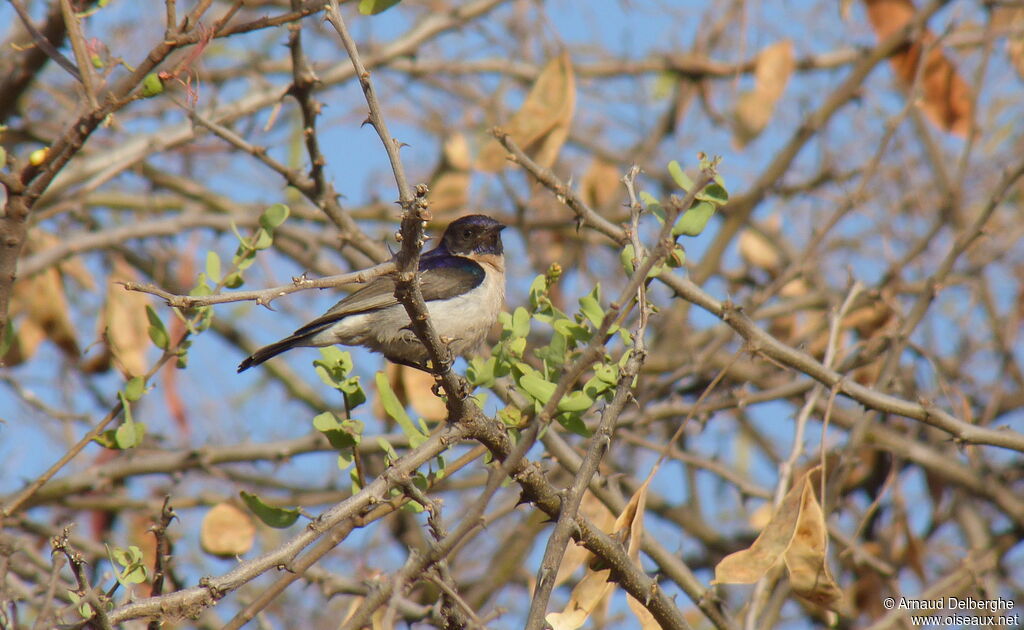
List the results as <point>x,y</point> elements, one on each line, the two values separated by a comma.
<point>541,125</point>
<point>226,531</point>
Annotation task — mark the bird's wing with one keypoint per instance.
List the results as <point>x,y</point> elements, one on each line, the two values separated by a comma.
<point>441,278</point>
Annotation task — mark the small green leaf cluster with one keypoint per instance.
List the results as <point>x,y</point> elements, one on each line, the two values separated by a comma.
<point>129,565</point>
<point>418,432</point>
<point>130,433</point>
<point>334,368</point>
<point>569,336</point>
<point>396,411</point>
<point>245,254</point>
<point>706,202</point>
<point>129,568</point>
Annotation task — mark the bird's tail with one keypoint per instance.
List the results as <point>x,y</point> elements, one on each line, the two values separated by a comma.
<point>274,349</point>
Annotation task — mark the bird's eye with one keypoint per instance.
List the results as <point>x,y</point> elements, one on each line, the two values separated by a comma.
<point>467,233</point>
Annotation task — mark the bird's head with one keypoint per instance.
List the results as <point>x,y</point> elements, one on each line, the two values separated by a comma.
<point>473,234</point>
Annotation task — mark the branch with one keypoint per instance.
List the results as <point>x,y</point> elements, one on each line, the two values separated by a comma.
<point>263,297</point>
<point>414,218</point>
<point>210,590</point>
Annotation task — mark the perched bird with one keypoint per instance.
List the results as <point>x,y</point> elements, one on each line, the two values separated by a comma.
<point>463,284</point>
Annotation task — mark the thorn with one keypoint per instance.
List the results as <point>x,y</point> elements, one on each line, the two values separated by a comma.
<point>368,121</point>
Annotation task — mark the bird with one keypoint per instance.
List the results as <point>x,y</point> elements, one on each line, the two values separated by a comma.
<point>463,284</point>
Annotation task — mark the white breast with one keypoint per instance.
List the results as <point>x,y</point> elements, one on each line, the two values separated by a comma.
<point>463,321</point>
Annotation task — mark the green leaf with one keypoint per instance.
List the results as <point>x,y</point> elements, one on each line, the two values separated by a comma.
<point>278,518</point>
<point>694,220</point>
<point>345,459</point>
<point>538,292</point>
<point>590,306</point>
<point>152,85</point>
<point>335,356</point>
<point>575,401</point>
<point>389,451</point>
<point>511,416</point>
<point>480,372</point>
<point>106,439</point>
<point>128,564</point>
<point>412,506</point>
<point>340,433</point>
<point>201,289</point>
<point>677,258</point>
<point>84,609</point>
<point>574,422</point>
<point>129,435</point>
<point>571,329</point>
<point>353,390</point>
<point>653,206</point>
<point>135,388</point>
<point>715,194</point>
<point>663,84</point>
<point>536,387</point>
<point>274,216</point>
<point>626,258</point>
<point>262,239</point>
<point>520,322</point>
<point>682,179</point>
<point>373,7</point>
<point>213,266</point>
<point>393,407</point>
<point>157,331</point>
<point>234,280</point>
<point>517,346</point>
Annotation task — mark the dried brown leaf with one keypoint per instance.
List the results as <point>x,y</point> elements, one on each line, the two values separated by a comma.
<point>123,321</point>
<point>414,387</point>
<point>945,96</point>
<point>754,109</point>
<point>542,123</point>
<point>576,554</point>
<point>43,307</point>
<point>600,187</point>
<point>594,587</point>
<point>227,531</point>
<point>759,251</point>
<point>797,536</point>
<point>807,555</point>
<point>449,186</point>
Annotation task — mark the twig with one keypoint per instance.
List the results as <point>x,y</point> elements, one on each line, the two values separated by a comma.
<point>414,217</point>
<point>78,46</point>
<point>263,297</point>
<point>44,44</point>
